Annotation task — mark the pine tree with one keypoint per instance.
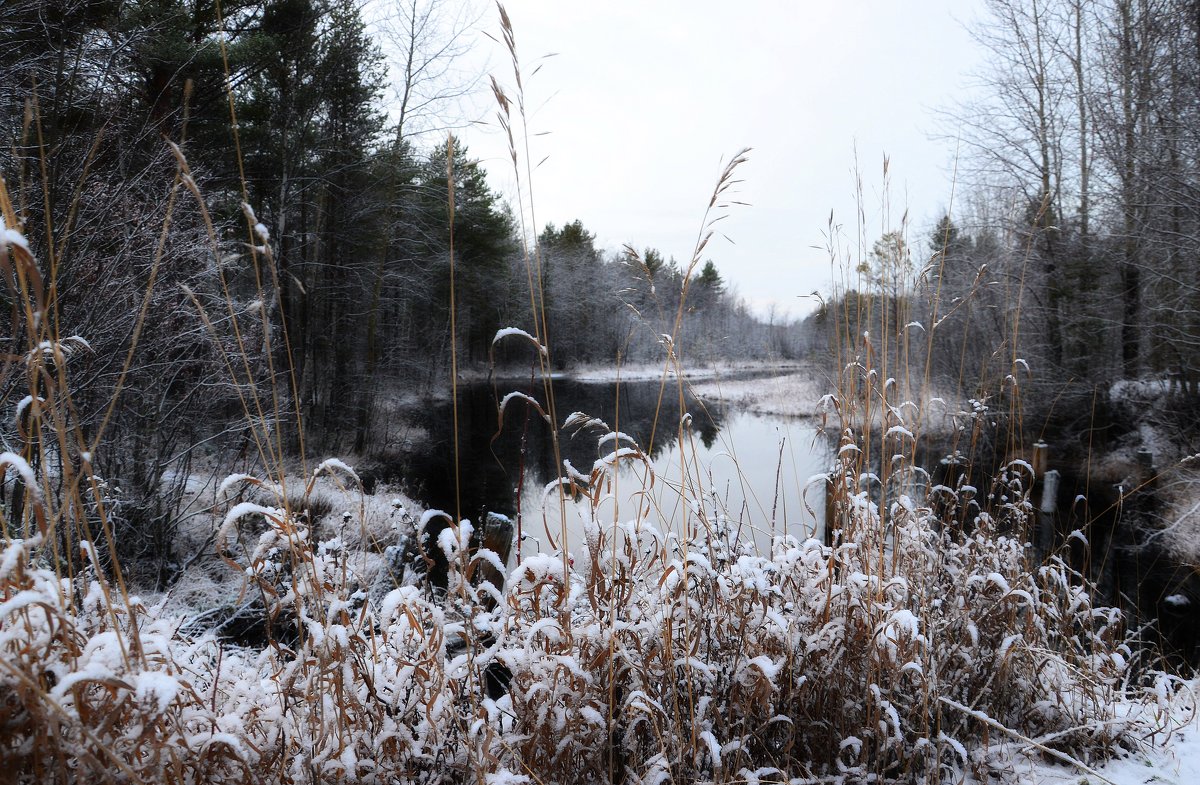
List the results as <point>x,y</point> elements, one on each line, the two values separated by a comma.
<point>483,241</point>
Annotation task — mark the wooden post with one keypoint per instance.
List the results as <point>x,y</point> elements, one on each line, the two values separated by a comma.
<point>831,521</point>
<point>498,538</point>
<point>1049,503</point>
<point>1145,465</point>
<point>1047,511</point>
<point>1041,459</point>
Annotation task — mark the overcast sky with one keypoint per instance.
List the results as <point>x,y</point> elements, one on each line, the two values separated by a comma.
<point>643,101</point>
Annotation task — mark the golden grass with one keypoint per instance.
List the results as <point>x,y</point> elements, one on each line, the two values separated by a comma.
<point>896,652</point>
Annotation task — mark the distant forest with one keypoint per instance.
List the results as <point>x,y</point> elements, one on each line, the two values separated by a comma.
<point>1071,258</point>
<point>342,157</point>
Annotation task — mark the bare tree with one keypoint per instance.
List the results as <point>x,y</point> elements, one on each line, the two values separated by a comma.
<point>426,44</point>
<point>1018,134</point>
<point>1123,108</point>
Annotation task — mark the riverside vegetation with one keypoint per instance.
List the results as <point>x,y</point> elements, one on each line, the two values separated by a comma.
<point>915,643</point>
<point>660,655</point>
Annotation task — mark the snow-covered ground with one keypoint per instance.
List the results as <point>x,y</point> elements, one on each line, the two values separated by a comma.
<point>785,392</point>
<point>366,523</point>
<point>1170,761</point>
<point>641,372</point>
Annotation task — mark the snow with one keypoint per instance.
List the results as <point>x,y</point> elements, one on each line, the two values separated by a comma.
<point>429,515</point>
<point>615,436</point>
<point>22,468</point>
<point>766,665</point>
<point>155,690</point>
<point>786,392</point>
<point>505,332</point>
<point>240,511</point>
<point>453,540</point>
<point>655,371</point>
<point>329,464</point>
<point>16,551</point>
<point>1138,389</point>
<point>1170,758</point>
<point>22,599</point>
<point>24,404</point>
<point>230,481</point>
<point>577,421</point>
<point>492,558</point>
<point>615,457</point>
<point>517,395</point>
<point>13,238</point>
<point>538,568</point>
<point>905,621</point>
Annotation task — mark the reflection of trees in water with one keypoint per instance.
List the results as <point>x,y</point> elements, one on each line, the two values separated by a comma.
<point>491,463</point>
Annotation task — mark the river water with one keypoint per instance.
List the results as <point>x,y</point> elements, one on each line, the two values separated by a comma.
<point>747,470</point>
<point>752,469</point>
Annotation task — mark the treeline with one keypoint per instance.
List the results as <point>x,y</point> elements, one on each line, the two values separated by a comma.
<point>315,275</point>
<point>355,215</point>
<point>1077,247</point>
<point>601,307</point>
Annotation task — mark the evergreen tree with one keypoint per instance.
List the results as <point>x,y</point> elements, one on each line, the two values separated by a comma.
<point>483,241</point>
<point>575,306</point>
<point>708,287</point>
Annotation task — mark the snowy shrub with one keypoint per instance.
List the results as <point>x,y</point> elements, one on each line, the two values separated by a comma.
<point>906,648</point>
<point>701,660</point>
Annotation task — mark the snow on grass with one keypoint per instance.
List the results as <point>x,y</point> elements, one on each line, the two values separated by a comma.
<point>22,469</point>
<point>508,332</point>
<point>1171,757</point>
<point>702,659</point>
<point>12,237</point>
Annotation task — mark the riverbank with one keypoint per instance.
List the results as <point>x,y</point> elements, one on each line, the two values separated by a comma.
<point>783,391</point>
<point>1170,759</point>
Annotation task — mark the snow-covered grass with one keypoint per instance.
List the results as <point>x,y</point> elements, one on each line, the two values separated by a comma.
<point>912,647</point>
<point>367,524</point>
<point>1169,759</point>
<point>906,651</point>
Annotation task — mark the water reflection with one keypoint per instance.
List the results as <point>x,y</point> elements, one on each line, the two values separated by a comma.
<point>749,478</point>
<point>747,469</point>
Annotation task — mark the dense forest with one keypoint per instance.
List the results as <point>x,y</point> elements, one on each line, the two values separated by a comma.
<point>339,300</point>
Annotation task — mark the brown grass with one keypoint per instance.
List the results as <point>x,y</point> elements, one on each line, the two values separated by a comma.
<point>893,653</point>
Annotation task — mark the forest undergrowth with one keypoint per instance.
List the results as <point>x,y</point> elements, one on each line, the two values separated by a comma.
<point>909,645</point>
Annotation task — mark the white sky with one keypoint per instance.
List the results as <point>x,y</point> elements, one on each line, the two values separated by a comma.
<point>642,103</point>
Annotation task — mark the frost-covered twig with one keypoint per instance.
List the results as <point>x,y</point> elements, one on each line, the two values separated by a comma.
<point>991,723</point>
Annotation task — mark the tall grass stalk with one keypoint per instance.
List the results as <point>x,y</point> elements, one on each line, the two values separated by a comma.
<point>912,647</point>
